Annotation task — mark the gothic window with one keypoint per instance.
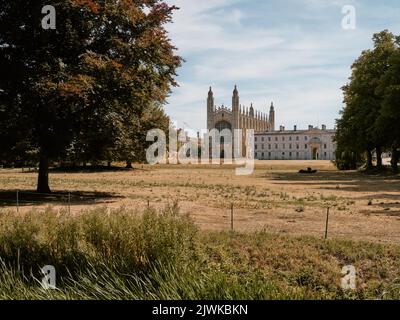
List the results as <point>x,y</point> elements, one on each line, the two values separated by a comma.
<point>223,125</point>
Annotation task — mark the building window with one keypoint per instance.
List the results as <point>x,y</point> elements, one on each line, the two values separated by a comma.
<point>255,139</point>
<point>269,147</point>
<point>276,146</point>
<point>256,147</point>
<point>276,138</point>
<point>290,138</point>
<point>262,147</point>
<point>325,147</point>
<point>269,154</point>
<point>283,146</point>
<point>290,146</point>
<point>290,154</point>
<point>269,138</point>
<point>297,147</point>
<point>305,138</point>
<point>262,155</point>
<point>305,146</point>
<point>283,138</point>
<point>297,138</point>
<point>262,139</point>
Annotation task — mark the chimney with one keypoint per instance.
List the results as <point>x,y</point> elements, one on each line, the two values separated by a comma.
<point>324,127</point>
<point>310,127</point>
<point>295,128</point>
<point>281,128</point>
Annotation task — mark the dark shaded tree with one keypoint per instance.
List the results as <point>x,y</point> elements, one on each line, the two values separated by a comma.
<point>74,89</point>
<point>357,130</point>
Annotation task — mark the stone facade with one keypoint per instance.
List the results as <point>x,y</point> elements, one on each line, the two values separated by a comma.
<point>271,144</point>
<point>238,116</point>
<point>311,144</point>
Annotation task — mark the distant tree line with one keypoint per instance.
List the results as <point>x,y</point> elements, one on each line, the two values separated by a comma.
<point>370,121</point>
<point>87,91</point>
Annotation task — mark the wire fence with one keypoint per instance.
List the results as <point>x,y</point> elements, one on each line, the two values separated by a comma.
<point>20,199</point>
<point>230,218</point>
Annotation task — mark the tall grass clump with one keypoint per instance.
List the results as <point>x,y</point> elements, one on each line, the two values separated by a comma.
<point>121,243</point>
<point>129,254</point>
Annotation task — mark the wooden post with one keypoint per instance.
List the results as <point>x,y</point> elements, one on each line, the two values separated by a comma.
<point>69,202</point>
<point>17,201</point>
<point>327,222</point>
<point>232,216</point>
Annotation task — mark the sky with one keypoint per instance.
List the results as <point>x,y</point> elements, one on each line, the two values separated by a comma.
<point>295,53</point>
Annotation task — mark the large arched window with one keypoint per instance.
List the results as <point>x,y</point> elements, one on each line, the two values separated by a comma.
<point>221,125</point>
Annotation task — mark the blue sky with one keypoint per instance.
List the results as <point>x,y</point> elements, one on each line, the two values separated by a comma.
<point>292,52</point>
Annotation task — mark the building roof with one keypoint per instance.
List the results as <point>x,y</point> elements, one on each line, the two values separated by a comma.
<point>278,132</point>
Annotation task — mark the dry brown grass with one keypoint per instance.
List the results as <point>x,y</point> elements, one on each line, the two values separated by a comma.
<point>275,197</point>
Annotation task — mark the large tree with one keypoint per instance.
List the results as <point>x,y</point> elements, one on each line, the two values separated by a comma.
<point>76,88</point>
<point>357,130</point>
<point>388,122</point>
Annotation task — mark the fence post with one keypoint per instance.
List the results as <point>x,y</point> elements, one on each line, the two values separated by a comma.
<point>327,222</point>
<point>17,201</point>
<point>232,216</point>
<point>69,203</point>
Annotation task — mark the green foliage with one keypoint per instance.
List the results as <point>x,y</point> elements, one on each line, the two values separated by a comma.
<point>122,254</point>
<point>87,90</point>
<point>366,122</point>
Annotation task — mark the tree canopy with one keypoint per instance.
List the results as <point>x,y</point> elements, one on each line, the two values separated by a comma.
<point>368,121</point>
<point>88,89</point>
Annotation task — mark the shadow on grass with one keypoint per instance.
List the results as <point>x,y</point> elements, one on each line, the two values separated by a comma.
<point>339,180</point>
<point>59,197</point>
<point>93,169</point>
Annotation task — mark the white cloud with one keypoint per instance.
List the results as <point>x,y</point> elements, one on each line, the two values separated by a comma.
<point>296,55</point>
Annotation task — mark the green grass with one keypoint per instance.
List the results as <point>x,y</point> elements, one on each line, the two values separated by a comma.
<point>123,254</point>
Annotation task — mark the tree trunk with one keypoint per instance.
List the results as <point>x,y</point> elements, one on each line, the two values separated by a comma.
<point>369,160</point>
<point>379,158</point>
<point>395,159</point>
<point>129,165</point>
<point>43,178</point>
<point>109,164</point>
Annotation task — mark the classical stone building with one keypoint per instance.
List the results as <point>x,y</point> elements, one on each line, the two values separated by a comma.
<point>269,144</point>
<point>311,144</point>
